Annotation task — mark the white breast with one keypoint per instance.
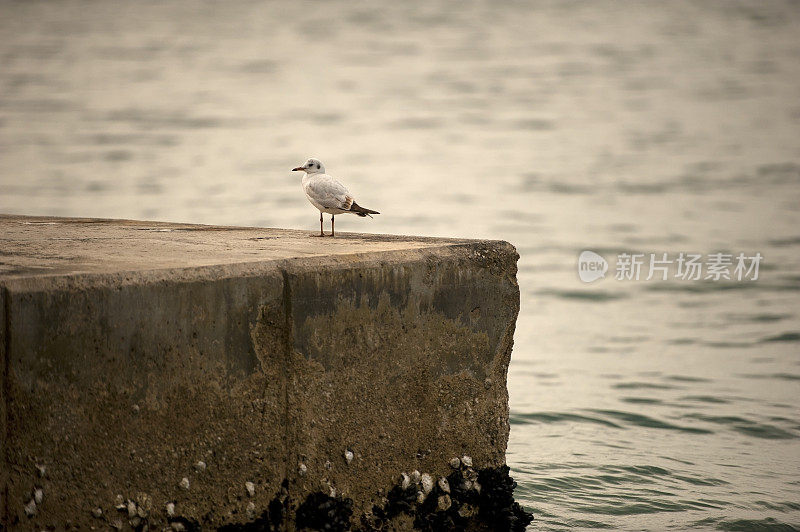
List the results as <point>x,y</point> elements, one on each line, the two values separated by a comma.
<point>326,193</point>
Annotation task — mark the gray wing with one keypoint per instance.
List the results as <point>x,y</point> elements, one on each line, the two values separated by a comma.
<point>330,193</point>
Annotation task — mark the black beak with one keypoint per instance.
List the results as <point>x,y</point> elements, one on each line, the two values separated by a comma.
<point>299,168</point>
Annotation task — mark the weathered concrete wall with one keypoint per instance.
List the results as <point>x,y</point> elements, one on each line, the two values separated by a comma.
<point>267,356</point>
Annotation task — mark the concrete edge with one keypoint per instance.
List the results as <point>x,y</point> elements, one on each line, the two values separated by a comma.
<point>480,250</point>
<point>33,220</point>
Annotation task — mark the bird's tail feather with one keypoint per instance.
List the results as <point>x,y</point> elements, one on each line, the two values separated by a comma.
<point>355,208</point>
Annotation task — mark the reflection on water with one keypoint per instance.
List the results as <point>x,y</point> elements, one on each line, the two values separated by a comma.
<point>559,126</point>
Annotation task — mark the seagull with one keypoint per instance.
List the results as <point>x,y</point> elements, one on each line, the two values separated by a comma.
<point>327,194</point>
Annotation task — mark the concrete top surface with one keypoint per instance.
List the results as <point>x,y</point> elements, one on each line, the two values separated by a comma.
<point>47,246</point>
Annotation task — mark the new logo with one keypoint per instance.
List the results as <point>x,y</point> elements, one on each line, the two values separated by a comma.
<point>591,266</point>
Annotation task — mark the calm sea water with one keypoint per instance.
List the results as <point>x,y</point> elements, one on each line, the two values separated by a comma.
<point>558,126</point>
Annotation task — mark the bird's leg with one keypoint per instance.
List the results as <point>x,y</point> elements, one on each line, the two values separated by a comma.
<point>321,232</point>
<point>332,224</point>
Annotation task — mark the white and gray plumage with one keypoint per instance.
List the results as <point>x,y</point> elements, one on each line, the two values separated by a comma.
<point>327,194</point>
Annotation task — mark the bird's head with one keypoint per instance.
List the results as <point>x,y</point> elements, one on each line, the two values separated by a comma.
<point>312,166</point>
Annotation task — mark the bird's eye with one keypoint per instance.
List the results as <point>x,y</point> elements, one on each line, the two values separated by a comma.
<point>317,166</point>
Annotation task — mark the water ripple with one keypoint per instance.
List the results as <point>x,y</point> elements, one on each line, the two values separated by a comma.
<point>784,337</point>
<point>643,386</point>
<point>747,426</point>
<point>592,296</point>
<point>558,417</point>
<point>641,420</point>
<point>755,525</point>
<point>704,399</point>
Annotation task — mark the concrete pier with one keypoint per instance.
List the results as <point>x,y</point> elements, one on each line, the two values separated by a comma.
<point>166,363</point>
